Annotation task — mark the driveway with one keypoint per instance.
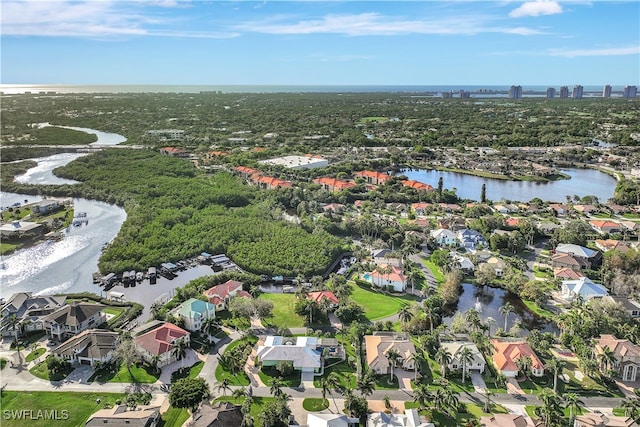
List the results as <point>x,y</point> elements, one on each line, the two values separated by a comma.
<point>478,382</point>
<point>513,387</point>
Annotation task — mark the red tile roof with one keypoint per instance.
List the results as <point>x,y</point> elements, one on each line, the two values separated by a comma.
<point>506,354</point>
<point>319,296</point>
<point>334,184</point>
<point>417,185</point>
<point>158,341</point>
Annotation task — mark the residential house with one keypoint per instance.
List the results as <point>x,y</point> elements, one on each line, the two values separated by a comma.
<point>417,185</point>
<point>71,319</point>
<point>394,277</point>
<point>611,245</point>
<point>372,177</point>
<point>471,239</point>
<point>455,349</point>
<point>159,342</point>
<point>617,209</point>
<point>331,420</point>
<point>320,296</point>
<point>45,207</point>
<point>512,222</point>
<point>247,172</point>
<point>444,237</point>
<point>89,347</point>
<point>498,265</point>
<point>570,261</point>
<point>601,420</point>
<point>547,227</point>
<point>410,418</point>
<point>122,415</point>
<point>507,353</point>
<point>303,352</point>
<point>590,255</point>
<point>421,208</point>
<point>195,312</point>
<point>218,414</point>
<point>504,420</point>
<point>566,273</point>
<point>626,354</point>
<point>582,288</point>
<point>220,295</point>
<point>334,184</point>
<point>173,151</point>
<point>450,207</point>
<point>630,225</point>
<point>558,209</point>
<point>29,311</point>
<point>462,262</point>
<point>271,183</point>
<point>21,229</point>
<point>585,209</point>
<point>604,226</point>
<point>386,257</point>
<point>505,208</point>
<point>378,346</point>
<point>630,306</point>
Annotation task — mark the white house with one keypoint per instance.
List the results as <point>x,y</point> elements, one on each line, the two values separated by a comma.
<point>159,342</point>
<point>444,237</point>
<point>303,352</point>
<point>195,312</point>
<point>393,277</point>
<point>455,348</point>
<point>583,288</point>
<point>331,420</point>
<point>386,257</point>
<point>410,418</point>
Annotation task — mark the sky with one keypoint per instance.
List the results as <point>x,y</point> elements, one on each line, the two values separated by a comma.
<point>175,42</point>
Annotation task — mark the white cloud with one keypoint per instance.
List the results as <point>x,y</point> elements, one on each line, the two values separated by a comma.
<point>374,24</point>
<point>537,8</point>
<point>611,51</point>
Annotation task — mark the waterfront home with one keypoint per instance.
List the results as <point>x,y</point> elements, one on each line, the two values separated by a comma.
<point>372,177</point>
<point>19,229</point>
<point>507,353</point>
<point>386,257</point>
<point>218,414</point>
<point>320,296</point>
<point>302,352</point>
<point>463,262</point>
<point>421,208</point>
<point>159,342</point>
<point>45,207</point>
<point>498,265</point>
<point>505,208</point>
<point>122,415</point>
<point>562,260</point>
<point>558,209</point>
<point>577,251</point>
<point>331,420</point>
<point>410,418</point>
<point>604,226</point>
<point>582,288</point>
<point>220,295</point>
<point>566,273</point>
<point>585,209</point>
<point>417,185</point>
<point>378,346</point>
<point>601,420</point>
<point>389,275</point>
<point>89,347</point>
<point>29,312</point>
<point>503,420</point>
<point>195,312</point>
<point>444,237</point>
<point>625,353</point>
<point>71,319</point>
<point>455,348</point>
<point>471,239</point>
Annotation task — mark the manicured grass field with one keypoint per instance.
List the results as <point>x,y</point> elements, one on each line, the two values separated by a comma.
<point>144,375</point>
<point>377,305</point>
<point>256,407</point>
<point>283,314</point>
<point>267,374</point>
<point>174,417</point>
<point>240,378</point>
<point>472,411</point>
<point>314,404</point>
<point>35,354</point>
<point>114,311</point>
<point>41,371</point>
<point>72,409</point>
<point>437,274</point>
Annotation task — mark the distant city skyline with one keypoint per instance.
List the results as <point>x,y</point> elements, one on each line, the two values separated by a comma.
<point>448,43</point>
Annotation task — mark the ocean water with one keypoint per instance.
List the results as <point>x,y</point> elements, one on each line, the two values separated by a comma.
<point>476,90</point>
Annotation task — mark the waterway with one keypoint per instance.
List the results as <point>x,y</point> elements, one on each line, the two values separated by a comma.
<point>583,182</point>
<point>488,302</point>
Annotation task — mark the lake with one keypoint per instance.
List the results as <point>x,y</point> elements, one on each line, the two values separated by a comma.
<point>488,302</point>
<point>583,182</point>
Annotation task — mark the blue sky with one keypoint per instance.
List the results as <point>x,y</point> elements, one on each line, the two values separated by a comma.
<point>539,42</point>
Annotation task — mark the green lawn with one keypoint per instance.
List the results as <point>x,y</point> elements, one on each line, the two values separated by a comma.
<point>383,383</point>
<point>3,363</point>
<point>540,311</point>
<point>377,305</point>
<point>174,417</point>
<point>190,372</point>
<point>283,314</point>
<point>41,371</point>
<point>314,404</point>
<point>73,409</point>
<point>346,373</point>
<point>143,374</point>
<point>114,311</point>
<point>268,373</point>
<point>239,378</point>
<point>256,407</point>
<point>471,411</point>
<point>435,270</point>
<point>35,354</point>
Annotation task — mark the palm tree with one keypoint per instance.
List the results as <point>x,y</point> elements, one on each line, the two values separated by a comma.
<point>333,382</point>
<point>179,350</point>
<point>392,356</point>
<point>473,319</point>
<point>405,314</point>
<point>413,276</point>
<point>466,357</point>
<point>421,395</point>
<point>487,401</point>
<point>551,410</point>
<point>276,386</point>
<point>631,407</point>
<point>418,358</point>
<point>324,388</point>
<point>366,384</point>
<point>443,357</point>
<point>431,313</point>
<point>556,365</point>
<point>209,326</point>
<point>573,402</point>
<point>223,385</point>
<point>239,393</point>
<point>387,402</point>
<point>606,359</point>
<point>505,310</point>
<point>490,321</point>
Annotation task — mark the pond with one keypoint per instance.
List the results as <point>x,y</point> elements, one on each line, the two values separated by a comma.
<point>488,302</point>
<point>583,182</point>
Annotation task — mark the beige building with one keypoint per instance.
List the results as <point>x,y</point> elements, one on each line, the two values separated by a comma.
<point>378,346</point>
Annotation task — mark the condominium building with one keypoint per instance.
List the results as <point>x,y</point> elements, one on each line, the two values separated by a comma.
<point>630,92</point>
<point>515,92</point>
<point>564,92</point>
<point>606,91</point>
<point>551,93</point>
<point>577,92</point>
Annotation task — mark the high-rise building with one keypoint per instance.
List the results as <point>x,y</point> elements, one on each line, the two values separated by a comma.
<point>515,92</point>
<point>551,93</point>
<point>606,91</point>
<point>465,94</point>
<point>577,92</point>
<point>564,92</point>
<point>630,92</point>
